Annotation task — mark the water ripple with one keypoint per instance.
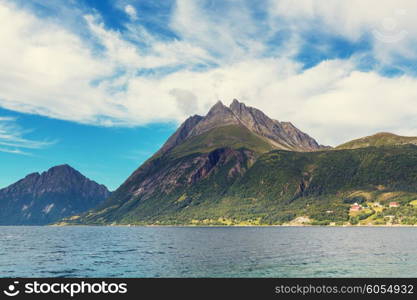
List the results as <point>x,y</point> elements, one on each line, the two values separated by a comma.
<point>207,252</point>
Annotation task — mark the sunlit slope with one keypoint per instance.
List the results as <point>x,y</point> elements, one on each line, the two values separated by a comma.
<point>378,140</point>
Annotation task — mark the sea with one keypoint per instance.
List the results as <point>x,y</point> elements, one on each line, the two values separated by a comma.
<point>116,251</point>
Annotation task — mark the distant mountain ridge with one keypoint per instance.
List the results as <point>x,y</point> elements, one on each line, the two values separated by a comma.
<point>378,140</point>
<point>42,198</point>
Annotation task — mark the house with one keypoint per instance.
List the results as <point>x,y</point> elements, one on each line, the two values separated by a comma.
<point>355,207</point>
<point>394,204</point>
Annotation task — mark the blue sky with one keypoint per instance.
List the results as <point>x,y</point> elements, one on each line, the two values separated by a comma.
<point>106,154</point>
<point>101,84</point>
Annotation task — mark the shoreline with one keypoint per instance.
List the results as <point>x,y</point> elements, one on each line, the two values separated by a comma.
<point>216,226</point>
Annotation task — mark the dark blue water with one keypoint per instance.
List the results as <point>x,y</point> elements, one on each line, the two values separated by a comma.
<point>207,252</point>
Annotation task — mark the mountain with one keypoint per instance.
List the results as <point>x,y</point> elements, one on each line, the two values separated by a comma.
<point>44,198</point>
<point>378,140</point>
<point>238,166</point>
<point>269,133</point>
<point>200,161</point>
<point>283,135</point>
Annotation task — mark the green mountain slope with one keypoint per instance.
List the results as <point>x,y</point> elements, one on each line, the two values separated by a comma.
<point>171,185</point>
<point>202,168</point>
<point>232,136</point>
<point>378,140</point>
<point>279,187</point>
<point>233,166</point>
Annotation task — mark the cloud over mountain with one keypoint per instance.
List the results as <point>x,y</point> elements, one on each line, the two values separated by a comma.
<point>84,70</point>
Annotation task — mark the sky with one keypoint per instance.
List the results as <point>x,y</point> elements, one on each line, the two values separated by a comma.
<point>101,84</point>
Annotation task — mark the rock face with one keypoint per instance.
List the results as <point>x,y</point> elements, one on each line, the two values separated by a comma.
<point>280,135</point>
<point>199,162</point>
<point>181,134</point>
<point>283,135</point>
<point>218,116</point>
<point>47,197</point>
<point>165,175</point>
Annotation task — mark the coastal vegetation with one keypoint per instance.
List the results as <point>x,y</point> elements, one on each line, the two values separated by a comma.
<point>236,166</point>
<point>281,187</point>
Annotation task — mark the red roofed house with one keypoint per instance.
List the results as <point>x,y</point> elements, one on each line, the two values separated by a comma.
<point>394,204</point>
<point>355,207</point>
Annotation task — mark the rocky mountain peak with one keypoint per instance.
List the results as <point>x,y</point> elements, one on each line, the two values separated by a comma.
<point>283,135</point>
<point>41,198</point>
<point>32,175</point>
<point>181,134</point>
<point>62,169</point>
<point>236,105</point>
<point>250,116</point>
<point>219,107</point>
<point>280,135</point>
<point>218,116</point>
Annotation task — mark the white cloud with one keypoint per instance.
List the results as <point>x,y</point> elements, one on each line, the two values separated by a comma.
<point>12,138</point>
<point>131,11</point>
<point>335,103</point>
<point>13,151</point>
<point>48,70</point>
<point>121,54</point>
<point>332,101</point>
<point>391,24</point>
<point>228,33</point>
